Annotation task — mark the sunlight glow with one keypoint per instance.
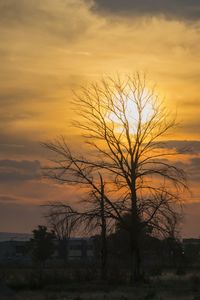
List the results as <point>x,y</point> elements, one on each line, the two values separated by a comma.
<point>131,111</point>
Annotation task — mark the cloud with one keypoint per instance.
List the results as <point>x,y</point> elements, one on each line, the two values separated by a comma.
<point>191,168</point>
<point>194,168</point>
<point>8,199</point>
<point>45,17</point>
<point>10,97</point>
<point>38,45</point>
<point>18,146</point>
<point>184,146</point>
<point>176,9</point>
<point>12,170</point>
<point>186,157</point>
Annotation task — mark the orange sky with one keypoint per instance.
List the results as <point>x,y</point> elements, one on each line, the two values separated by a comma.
<point>49,48</point>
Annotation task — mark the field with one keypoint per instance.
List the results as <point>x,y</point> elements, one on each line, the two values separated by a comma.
<point>167,286</point>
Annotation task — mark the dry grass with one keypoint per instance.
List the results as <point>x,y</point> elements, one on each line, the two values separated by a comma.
<point>115,295</point>
<point>165,287</point>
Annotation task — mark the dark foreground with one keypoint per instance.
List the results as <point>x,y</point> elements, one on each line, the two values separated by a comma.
<point>165,287</point>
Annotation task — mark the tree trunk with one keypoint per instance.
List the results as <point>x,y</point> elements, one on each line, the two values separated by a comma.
<point>135,275</point>
<point>135,239</point>
<point>104,252</point>
<point>104,256</point>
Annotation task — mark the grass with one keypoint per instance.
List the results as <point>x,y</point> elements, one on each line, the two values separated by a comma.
<point>119,294</point>
<point>23,284</point>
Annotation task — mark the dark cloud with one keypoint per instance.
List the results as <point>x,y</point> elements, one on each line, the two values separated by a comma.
<point>178,9</point>
<point>191,162</point>
<point>18,145</point>
<point>13,170</point>
<point>192,171</point>
<point>183,147</point>
<point>196,161</point>
<point>194,168</point>
<point>190,167</point>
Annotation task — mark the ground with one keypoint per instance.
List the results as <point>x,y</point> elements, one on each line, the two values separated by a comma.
<point>168,286</point>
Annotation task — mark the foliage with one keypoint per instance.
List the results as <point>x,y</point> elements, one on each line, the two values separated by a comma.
<point>42,244</point>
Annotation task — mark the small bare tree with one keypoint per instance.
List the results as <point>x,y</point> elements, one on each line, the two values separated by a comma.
<point>124,123</point>
<point>63,219</point>
<point>62,224</point>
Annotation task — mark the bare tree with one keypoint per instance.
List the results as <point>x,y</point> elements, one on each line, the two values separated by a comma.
<point>123,123</point>
<point>63,219</point>
<point>62,224</point>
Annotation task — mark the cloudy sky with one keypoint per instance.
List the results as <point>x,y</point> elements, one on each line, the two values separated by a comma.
<point>50,47</point>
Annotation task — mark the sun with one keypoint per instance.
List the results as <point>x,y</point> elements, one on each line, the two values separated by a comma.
<point>132,110</point>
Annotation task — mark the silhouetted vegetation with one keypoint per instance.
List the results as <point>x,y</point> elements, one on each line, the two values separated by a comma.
<point>123,122</point>
<point>42,245</point>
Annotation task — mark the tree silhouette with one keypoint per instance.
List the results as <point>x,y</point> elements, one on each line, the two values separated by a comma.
<point>124,124</point>
<point>42,246</point>
<point>62,222</point>
<point>94,219</point>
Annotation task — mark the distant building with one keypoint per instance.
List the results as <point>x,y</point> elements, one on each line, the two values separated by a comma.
<point>14,251</point>
<point>191,251</point>
<point>191,245</point>
<point>80,248</point>
<point>191,241</point>
<point>15,248</point>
